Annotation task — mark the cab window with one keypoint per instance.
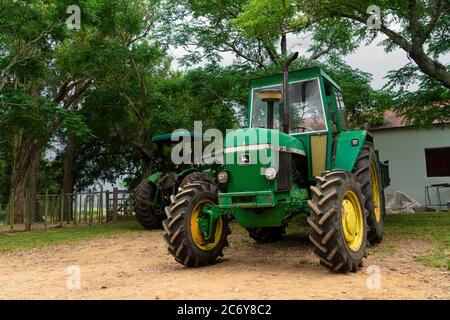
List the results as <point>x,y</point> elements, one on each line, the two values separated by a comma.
<point>341,110</point>
<point>306,111</point>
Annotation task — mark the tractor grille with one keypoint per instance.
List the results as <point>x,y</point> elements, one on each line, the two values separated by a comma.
<point>284,177</point>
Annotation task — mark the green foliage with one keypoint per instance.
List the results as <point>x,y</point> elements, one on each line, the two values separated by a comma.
<point>429,104</point>
<point>266,18</point>
<point>365,106</point>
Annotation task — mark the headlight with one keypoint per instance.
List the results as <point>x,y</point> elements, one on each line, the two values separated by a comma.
<point>270,173</point>
<point>222,177</point>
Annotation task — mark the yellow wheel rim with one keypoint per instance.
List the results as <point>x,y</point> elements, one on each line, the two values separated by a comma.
<point>352,221</point>
<point>376,192</point>
<point>197,234</point>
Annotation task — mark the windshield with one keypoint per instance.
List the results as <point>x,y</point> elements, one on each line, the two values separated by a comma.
<point>306,112</point>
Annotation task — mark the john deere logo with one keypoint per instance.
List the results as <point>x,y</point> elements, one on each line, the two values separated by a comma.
<point>244,159</point>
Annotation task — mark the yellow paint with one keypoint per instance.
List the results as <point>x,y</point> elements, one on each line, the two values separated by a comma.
<point>352,221</point>
<point>271,95</point>
<point>318,154</point>
<point>197,234</point>
<point>376,191</point>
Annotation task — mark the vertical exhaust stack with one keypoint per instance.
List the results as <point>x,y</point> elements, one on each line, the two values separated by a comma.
<point>288,62</point>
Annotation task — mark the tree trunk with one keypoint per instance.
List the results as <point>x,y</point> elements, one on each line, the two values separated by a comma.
<point>284,45</point>
<point>25,168</point>
<point>68,182</point>
<point>32,191</point>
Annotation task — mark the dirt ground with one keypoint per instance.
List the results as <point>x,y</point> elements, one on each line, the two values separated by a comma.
<point>138,267</point>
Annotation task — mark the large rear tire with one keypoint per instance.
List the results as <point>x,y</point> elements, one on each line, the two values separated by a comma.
<point>148,213</point>
<point>339,221</point>
<point>183,236</point>
<point>368,174</point>
<point>266,235</point>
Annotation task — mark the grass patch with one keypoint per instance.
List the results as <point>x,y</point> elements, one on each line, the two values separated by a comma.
<point>22,241</point>
<point>386,248</point>
<point>433,227</point>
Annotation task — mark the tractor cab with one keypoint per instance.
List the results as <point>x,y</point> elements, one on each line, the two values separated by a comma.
<point>316,112</point>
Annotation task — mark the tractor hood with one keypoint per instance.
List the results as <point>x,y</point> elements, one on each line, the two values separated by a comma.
<point>248,152</point>
<point>262,139</point>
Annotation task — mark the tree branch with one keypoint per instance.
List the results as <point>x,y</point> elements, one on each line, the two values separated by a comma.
<point>412,7</point>
<point>434,18</point>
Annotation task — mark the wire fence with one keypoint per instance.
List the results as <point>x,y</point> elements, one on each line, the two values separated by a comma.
<point>74,209</point>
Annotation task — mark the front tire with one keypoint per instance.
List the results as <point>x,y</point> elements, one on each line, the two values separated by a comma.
<point>184,239</point>
<point>338,221</point>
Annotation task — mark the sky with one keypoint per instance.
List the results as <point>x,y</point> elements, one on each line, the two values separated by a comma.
<point>371,59</point>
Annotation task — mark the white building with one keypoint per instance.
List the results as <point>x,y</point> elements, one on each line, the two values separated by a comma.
<point>417,157</point>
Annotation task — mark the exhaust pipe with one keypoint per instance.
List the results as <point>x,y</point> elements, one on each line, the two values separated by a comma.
<point>288,62</point>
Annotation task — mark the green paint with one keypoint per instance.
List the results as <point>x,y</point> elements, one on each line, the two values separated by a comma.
<point>271,217</point>
<point>208,221</point>
<point>251,178</point>
<point>264,208</point>
<point>154,178</point>
<point>346,153</point>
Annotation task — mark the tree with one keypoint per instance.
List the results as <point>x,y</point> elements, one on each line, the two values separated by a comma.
<point>256,32</point>
<point>428,105</point>
<point>423,27</point>
<point>36,99</point>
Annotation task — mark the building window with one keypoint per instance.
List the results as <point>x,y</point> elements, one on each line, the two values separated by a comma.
<point>438,162</point>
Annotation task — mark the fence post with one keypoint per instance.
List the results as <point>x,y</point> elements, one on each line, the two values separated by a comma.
<point>69,205</point>
<point>108,211</point>
<point>91,207</point>
<point>75,208</point>
<point>11,214</point>
<point>101,206</point>
<point>61,218</point>
<point>26,219</point>
<point>98,207</point>
<point>81,209</point>
<point>115,202</point>
<point>85,208</point>
<point>46,211</point>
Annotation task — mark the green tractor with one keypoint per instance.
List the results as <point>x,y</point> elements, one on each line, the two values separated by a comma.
<point>153,194</point>
<point>315,165</point>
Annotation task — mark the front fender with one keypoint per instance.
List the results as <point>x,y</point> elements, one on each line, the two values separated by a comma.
<point>154,178</point>
<point>348,147</point>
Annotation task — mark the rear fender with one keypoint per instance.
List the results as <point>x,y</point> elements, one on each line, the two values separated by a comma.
<point>348,147</point>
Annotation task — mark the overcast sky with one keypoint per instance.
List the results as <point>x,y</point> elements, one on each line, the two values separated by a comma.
<point>371,59</point>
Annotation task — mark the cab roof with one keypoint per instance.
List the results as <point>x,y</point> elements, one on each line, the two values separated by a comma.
<point>297,75</point>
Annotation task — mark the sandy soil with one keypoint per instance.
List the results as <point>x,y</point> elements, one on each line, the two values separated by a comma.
<point>138,267</point>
